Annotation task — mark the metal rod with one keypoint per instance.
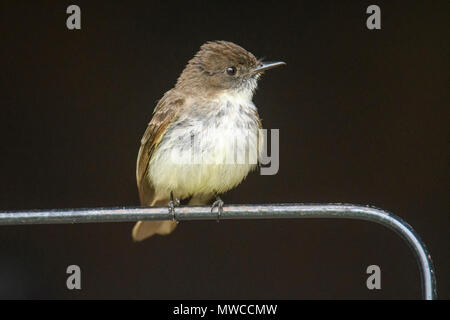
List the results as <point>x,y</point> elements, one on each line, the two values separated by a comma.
<point>266,211</point>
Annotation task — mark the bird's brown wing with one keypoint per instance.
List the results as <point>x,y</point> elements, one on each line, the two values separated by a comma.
<point>165,113</point>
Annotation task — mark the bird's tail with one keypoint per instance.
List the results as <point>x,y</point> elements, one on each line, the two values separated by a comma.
<point>145,229</point>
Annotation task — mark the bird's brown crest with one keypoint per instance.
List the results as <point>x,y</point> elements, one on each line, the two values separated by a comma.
<point>208,68</point>
<point>217,55</point>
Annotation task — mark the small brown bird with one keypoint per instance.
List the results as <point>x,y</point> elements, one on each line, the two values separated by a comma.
<point>188,151</point>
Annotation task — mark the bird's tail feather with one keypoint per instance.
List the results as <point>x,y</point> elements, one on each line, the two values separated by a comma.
<point>145,229</point>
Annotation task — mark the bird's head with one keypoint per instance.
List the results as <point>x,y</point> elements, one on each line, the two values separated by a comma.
<point>223,66</point>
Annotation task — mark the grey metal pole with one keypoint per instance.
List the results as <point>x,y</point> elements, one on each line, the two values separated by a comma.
<point>265,211</point>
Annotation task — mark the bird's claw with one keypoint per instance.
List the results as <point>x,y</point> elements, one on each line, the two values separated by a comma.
<point>172,204</point>
<point>219,204</point>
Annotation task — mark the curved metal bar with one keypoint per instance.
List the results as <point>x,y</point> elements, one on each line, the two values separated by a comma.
<point>266,211</point>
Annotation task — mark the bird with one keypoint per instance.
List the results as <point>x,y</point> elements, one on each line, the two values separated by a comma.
<point>188,150</point>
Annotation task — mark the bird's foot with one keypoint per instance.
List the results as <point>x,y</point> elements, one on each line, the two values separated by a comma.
<point>172,204</point>
<point>219,204</point>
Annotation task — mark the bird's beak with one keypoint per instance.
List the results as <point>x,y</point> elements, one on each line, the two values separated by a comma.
<point>263,66</point>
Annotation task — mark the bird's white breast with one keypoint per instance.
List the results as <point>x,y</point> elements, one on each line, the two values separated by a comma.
<point>210,149</point>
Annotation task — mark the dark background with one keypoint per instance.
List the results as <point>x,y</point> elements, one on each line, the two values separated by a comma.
<point>362,116</point>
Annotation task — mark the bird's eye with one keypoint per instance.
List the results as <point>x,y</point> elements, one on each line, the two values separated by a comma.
<point>231,71</point>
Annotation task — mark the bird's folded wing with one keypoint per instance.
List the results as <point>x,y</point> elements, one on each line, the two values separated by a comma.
<point>165,113</point>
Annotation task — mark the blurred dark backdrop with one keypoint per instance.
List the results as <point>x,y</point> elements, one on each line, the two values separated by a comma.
<point>363,118</point>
